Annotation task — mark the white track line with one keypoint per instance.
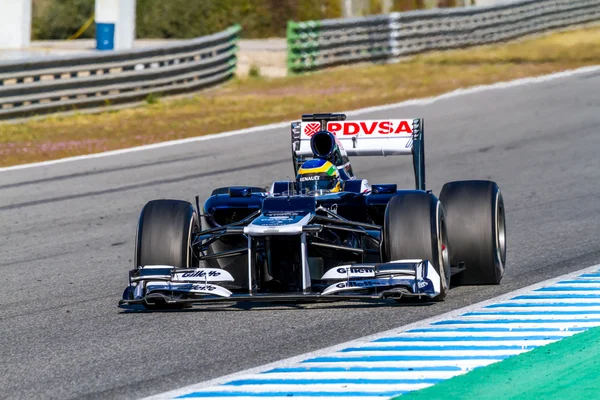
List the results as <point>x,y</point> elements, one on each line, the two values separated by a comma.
<point>414,102</point>
<point>426,323</point>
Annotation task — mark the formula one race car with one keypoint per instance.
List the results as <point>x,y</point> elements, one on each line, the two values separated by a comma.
<point>325,236</point>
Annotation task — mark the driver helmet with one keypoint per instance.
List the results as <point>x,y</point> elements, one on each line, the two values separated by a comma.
<point>318,176</point>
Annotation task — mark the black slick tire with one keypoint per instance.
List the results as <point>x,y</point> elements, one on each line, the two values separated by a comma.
<point>476,230</point>
<point>164,234</point>
<point>414,228</point>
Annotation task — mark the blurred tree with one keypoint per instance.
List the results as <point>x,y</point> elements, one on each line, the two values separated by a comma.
<point>259,18</point>
<point>447,3</point>
<point>52,19</point>
<point>375,7</point>
<point>407,5</point>
<point>59,19</point>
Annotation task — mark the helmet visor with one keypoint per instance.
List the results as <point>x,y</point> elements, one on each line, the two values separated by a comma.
<point>316,184</point>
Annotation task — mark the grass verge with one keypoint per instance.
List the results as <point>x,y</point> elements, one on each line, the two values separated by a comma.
<point>256,100</point>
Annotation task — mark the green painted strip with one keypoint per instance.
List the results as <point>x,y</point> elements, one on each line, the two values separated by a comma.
<point>237,28</point>
<point>291,38</point>
<point>291,34</point>
<point>567,369</point>
<point>302,46</point>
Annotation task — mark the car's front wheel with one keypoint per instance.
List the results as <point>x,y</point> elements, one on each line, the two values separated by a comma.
<point>165,233</point>
<point>414,228</point>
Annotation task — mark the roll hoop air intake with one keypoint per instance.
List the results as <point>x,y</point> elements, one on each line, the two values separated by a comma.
<point>323,143</point>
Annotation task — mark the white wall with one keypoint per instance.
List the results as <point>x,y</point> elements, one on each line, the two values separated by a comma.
<point>15,23</point>
<point>125,35</point>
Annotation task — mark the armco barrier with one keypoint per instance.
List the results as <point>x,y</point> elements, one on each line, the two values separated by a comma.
<point>65,83</point>
<point>320,44</point>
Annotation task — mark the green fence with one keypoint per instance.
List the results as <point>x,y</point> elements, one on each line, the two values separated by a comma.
<point>321,44</point>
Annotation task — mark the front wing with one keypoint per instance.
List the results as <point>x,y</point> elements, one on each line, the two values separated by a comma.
<point>155,286</point>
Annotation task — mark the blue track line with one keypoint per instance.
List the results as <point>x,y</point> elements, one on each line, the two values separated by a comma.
<point>445,368</point>
<point>544,312</point>
<point>568,289</point>
<point>514,321</point>
<point>557,296</point>
<point>465,338</point>
<point>433,348</point>
<point>349,381</point>
<point>498,329</point>
<point>525,305</point>
<point>401,358</point>
<point>197,395</point>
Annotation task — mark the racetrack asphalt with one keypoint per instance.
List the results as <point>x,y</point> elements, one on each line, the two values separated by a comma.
<point>67,237</point>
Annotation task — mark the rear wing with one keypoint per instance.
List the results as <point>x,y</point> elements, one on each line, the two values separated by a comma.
<point>363,138</point>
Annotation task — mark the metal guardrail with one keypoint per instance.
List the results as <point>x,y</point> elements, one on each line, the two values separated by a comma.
<point>69,83</point>
<point>320,44</point>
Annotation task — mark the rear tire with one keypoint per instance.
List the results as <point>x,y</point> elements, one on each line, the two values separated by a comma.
<point>414,227</point>
<point>476,230</point>
<point>165,234</point>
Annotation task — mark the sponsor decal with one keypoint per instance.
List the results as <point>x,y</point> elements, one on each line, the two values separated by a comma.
<point>345,271</point>
<point>366,284</point>
<point>355,270</point>
<point>370,127</point>
<point>311,128</point>
<point>283,213</point>
<point>364,128</point>
<point>401,282</point>
<point>422,284</point>
<point>359,284</point>
<point>203,287</point>
<point>278,218</point>
<point>199,274</point>
<point>310,178</point>
<point>203,275</point>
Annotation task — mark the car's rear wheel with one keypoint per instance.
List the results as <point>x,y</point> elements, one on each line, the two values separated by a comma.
<point>414,228</point>
<point>476,230</point>
<point>165,233</point>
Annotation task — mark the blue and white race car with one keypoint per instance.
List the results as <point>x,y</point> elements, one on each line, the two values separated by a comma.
<point>327,235</point>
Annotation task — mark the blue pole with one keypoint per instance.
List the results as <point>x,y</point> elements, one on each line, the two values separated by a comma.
<point>115,24</point>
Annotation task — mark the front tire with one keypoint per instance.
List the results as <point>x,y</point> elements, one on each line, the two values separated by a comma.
<point>414,227</point>
<point>165,233</point>
<point>476,230</point>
